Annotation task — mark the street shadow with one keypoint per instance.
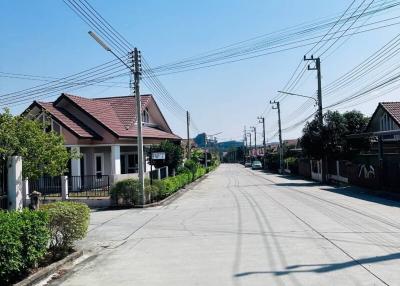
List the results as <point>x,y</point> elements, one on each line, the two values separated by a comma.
<point>298,184</point>
<point>362,194</point>
<point>323,268</point>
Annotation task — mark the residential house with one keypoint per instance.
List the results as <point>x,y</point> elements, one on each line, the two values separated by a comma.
<point>103,130</point>
<point>386,118</point>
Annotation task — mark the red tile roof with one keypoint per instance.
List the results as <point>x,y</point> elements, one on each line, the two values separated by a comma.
<point>393,108</point>
<point>67,120</point>
<point>118,114</point>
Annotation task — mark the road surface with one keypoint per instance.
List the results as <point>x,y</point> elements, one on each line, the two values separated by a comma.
<point>244,227</point>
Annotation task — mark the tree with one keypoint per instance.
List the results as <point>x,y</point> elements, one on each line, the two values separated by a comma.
<point>173,155</point>
<point>332,140</point>
<point>43,153</point>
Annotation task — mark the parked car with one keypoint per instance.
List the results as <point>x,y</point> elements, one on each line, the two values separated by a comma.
<point>256,165</point>
<point>247,164</point>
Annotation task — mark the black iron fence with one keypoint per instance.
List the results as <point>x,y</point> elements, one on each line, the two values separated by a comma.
<point>3,185</point>
<point>78,186</point>
<point>89,186</point>
<point>47,186</point>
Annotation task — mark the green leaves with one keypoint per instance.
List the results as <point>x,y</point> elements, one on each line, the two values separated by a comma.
<point>331,140</point>
<point>173,155</point>
<point>23,242</point>
<point>43,152</point>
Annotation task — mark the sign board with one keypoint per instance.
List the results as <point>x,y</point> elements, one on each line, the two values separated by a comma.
<point>158,156</point>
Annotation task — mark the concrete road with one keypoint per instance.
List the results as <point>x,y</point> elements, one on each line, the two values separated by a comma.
<point>243,227</point>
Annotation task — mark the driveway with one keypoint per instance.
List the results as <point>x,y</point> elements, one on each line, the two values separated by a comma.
<point>243,227</point>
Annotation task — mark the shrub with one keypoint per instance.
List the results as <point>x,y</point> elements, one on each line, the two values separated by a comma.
<point>125,192</point>
<point>23,242</point>
<point>68,222</point>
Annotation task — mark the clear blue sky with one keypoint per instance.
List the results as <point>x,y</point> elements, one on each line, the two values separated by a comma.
<point>45,37</point>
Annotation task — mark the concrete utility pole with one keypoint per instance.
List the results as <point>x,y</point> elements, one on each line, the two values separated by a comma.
<point>276,105</point>
<point>261,119</point>
<point>245,146</point>
<point>205,149</point>
<point>188,134</point>
<point>249,134</point>
<point>255,138</point>
<point>135,69</point>
<point>137,74</point>
<point>317,67</point>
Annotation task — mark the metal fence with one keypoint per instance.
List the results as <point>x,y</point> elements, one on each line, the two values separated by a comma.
<point>89,186</point>
<point>47,186</point>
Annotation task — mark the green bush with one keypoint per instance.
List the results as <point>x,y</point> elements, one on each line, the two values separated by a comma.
<point>23,242</point>
<point>126,192</point>
<point>68,222</point>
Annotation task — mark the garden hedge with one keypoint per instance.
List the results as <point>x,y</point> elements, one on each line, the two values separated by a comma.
<point>126,192</point>
<point>24,237</point>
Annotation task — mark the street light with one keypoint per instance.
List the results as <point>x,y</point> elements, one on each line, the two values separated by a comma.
<point>136,74</point>
<point>300,95</point>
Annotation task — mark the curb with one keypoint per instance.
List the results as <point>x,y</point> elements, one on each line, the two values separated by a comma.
<point>175,195</point>
<point>49,270</point>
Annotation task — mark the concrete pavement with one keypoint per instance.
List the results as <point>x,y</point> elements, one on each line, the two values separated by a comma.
<point>243,227</point>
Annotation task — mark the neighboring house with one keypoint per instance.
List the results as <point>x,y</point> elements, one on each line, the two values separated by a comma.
<point>103,130</point>
<point>386,118</point>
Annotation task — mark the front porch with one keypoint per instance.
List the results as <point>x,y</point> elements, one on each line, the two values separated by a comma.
<point>116,161</point>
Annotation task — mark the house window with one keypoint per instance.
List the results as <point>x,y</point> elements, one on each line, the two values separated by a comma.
<point>99,164</point>
<point>146,117</point>
<point>56,127</point>
<point>129,163</point>
<point>386,123</point>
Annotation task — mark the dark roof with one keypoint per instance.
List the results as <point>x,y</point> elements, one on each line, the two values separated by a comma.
<point>393,108</point>
<point>68,121</point>
<point>117,114</point>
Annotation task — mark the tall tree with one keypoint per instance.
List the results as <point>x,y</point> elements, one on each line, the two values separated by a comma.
<point>173,155</point>
<point>332,140</point>
<point>43,153</point>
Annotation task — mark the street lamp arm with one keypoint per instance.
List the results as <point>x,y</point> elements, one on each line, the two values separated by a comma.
<point>296,94</point>
<point>108,49</point>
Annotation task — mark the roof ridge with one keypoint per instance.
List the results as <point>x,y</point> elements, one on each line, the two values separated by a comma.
<point>120,96</point>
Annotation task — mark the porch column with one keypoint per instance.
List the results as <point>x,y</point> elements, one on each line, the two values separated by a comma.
<point>75,163</point>
<point>115,160</point>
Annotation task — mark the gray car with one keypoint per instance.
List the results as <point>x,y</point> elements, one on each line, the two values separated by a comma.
<point>256,165</point>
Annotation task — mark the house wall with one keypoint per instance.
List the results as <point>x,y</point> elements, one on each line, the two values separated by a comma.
<point>89,159</point>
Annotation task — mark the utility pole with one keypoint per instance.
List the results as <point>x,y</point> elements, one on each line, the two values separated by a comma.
<point>205,149</point>
<point>135,69</point>
<point>317,67</point>
<point>245,146</point>
<point>261,119</point>
<point>276,105</point>
<point>137,74</point>
<point>249,134</point>
<point>255,138</point>
<point>188,134</point>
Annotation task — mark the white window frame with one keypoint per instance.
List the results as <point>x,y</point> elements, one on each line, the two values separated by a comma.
<point>101,155</point>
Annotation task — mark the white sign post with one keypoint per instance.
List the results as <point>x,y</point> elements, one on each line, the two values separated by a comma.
<point>158,156</point>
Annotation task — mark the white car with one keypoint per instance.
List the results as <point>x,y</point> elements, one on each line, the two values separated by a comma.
<point>256,165</point>
<point>247,164</point>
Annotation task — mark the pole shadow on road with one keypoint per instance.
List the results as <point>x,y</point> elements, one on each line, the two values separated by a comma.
<point>323,268</point>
